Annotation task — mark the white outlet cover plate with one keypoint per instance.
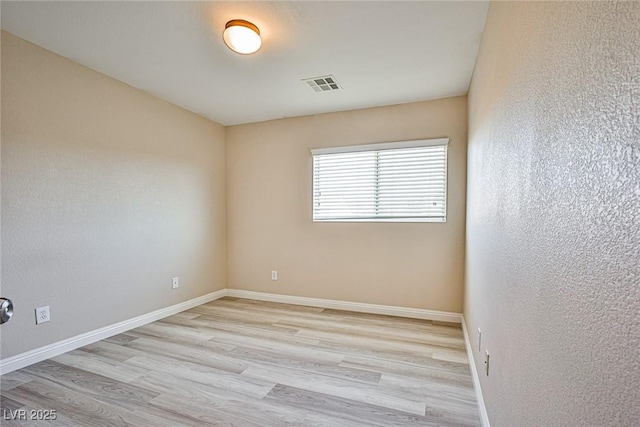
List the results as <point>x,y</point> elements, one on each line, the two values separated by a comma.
<point>42,315</point>
<point>175,282</point>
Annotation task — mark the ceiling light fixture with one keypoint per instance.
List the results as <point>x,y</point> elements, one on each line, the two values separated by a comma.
<point>242,36</point>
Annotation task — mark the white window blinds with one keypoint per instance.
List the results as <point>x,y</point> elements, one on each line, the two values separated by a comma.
<point>397,181</point>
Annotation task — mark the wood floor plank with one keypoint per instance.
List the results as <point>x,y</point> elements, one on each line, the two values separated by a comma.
<point>343,409</point>
<point>380,332</point>
<point>377,342</point>
<point>99,365</point>
<point>257,357</point>
<point>81,409</point>
<point>238,320</point>
<point>235,362</point>
<point>437,371</point>
<point>297,347</point>
<point>26,419</point>
<point>9,405</point>
<point>219,325</point>
<point>120,338</point>
<point>196,391</point>
<point>399,354</point>
<point>253,388</point>
<point>423,390</point>
<point>99,386</point>
<point>337,387</point>
<point>451,356</point>
<point>13,379</point>
<point>317,419</point>
<point>203,415</point>
<point>231,412</point>
<point>116,352</point>
<point>168,330</point>
<point>188,353</point>
<point>378,362</point>
<point>273,307</point>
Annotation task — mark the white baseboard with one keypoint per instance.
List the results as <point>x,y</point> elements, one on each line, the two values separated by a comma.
<point>389,310</point>
<point>39,354</point>
<point>476,380</point>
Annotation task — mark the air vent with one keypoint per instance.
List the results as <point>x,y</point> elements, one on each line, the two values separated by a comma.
<point>322,84</point>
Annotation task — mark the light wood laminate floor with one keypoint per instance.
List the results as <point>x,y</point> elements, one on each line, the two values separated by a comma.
<point>235,362</point>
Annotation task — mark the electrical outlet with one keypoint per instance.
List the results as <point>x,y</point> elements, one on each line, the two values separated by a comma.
<point>479,339</point>
<point>42,315</point>
<point>175,283</point>
<point>486,362</point>
<point>274,275</point>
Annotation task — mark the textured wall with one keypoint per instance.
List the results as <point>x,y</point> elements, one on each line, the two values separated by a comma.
<point>107,193</point>
<point>553,219</point>
<point>269,212</point>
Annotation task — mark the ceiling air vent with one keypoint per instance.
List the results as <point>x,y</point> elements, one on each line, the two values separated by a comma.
<point>322,84</point>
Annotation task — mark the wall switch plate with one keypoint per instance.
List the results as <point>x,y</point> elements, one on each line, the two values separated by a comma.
<point>175,283</point>
<point>274,275</point>
<point>486,362</point>
<point>479,339</point>
<point>42,315</point>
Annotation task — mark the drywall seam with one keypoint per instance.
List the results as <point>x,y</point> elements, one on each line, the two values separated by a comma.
<point>474,374</point>
<point>388,310</point>
<point>27,358</point>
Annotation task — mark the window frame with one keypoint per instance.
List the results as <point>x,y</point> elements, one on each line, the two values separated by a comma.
<point>442,142</point>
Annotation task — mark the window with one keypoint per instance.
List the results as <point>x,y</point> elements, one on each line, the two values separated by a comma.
<point>395,181</point>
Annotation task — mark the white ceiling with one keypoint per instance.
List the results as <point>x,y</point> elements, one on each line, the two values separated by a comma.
<point>382,53</point>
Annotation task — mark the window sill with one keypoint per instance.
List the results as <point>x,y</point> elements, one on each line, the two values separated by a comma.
<point>383,220</point>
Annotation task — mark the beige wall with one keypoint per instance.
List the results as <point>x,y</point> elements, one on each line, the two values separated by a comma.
<point>107,193</point>
<point>269,213</point>
<point>553,220</point>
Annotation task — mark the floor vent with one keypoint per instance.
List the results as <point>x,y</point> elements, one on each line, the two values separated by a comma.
<point>322,84</point>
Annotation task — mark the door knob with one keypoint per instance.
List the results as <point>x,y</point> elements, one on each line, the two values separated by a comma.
<point>6,310</point>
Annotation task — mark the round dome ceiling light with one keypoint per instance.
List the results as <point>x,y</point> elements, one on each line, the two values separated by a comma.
<point>242,36</point>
